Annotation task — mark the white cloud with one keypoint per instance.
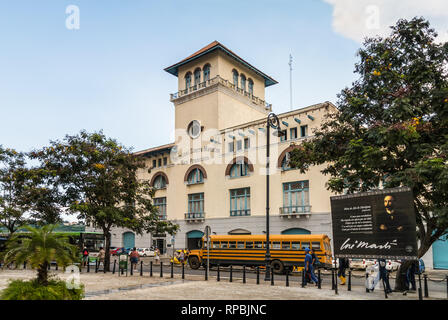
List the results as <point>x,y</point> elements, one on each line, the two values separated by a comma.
<point>357,19</point>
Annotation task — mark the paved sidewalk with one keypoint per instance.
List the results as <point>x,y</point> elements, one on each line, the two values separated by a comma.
<point>100,286</point>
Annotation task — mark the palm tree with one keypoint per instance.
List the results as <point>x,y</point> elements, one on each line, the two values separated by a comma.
<point>40,248</point>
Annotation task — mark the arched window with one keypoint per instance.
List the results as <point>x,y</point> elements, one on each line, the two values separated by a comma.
<point>206,71</point>
<point>188,80</point>
<point>239,169</point>
<point>159,182</point>
<point>195,176</point>
<point>251,86</point>
<point>243,82</point>
<point>235,78</point>
<point>285,162</point>
<point>197,76</point>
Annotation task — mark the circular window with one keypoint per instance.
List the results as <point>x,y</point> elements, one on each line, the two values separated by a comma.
<point>194,129</point>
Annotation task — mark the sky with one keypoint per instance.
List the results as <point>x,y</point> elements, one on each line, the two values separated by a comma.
<point>100,66</point>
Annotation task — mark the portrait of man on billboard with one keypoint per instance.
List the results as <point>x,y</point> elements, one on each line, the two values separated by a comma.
<point>391,220</point>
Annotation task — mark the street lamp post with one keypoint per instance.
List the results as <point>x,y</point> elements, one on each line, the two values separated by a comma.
<point>275,124</point>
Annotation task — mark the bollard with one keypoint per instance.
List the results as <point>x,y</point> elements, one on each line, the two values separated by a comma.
<point>349,287</point>
<point>420,296</point>
<point>132,268</point>
<point>104,266</point>
<point>206,273</point>
<point>172,270</point>
<point>272,276</point>
<point>96,266</point>
<point>332,279</point>
<point>161,269</point>
<point>303,278</point>
<point>141,268</point>
<point>88,264</point>
<point>367,279</point>
<point>231,273</point>
<point>183,271</point>
<point>244,274</point>
<point>113,270</point>
<point>319,280</point>
<point>24,265</point>
<point>425,283</point>
<point>258,276</point>
<point>335,283</point>
<point>150,268</point>
<point>218,276</point>
<point>287,278</point>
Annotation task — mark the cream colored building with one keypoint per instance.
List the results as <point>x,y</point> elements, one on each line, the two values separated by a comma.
<point>214,173</point>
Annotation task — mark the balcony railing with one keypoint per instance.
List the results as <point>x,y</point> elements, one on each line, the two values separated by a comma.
<point>295,210</point>
<point>194,216</point>
<point>245,212</point>
<point>226,83</point>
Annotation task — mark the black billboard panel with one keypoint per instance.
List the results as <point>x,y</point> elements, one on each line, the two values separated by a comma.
<point>377,224</point>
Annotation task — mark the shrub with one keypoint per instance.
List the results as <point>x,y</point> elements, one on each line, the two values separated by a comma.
<point>32,290</point>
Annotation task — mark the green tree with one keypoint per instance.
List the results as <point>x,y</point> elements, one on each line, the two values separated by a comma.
<point>13,202</point>
<point>392,127</point>
<point>98,180</point>
<point>40,248</point>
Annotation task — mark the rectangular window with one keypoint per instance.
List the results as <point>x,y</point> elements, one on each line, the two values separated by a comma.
<point>224,244</point>
<point>160,204</point>
<point>303,131</point>
<point>231,146</point>
<point>286,245</point>
<point>232,244</point>
<point>275,245</point>
<point>246,143</point>
<point>293,133</point>
<point>305,245</point>
<point>239,145</point>
<point>154,163</point>
<point>240,202</point>
<point>160,162</point>
<point>196,203</point>
<point>316,246</point>
<point>258,245</point>
<point>249,245</point>
<point>215,245</point>
<point>165,161</point>
<point>284,136</point>
<point>296,197</point>
<point>240,244</point>
<point>295,245</point>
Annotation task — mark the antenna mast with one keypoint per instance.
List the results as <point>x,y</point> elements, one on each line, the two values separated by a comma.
<point>290,80</point>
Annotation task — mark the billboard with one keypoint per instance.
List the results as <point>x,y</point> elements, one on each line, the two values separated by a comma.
<point>376,224</point>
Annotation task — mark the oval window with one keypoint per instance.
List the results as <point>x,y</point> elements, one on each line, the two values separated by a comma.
<point>194,129</point>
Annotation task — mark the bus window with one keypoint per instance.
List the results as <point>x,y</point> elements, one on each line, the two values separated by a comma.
<point>305,245</point>
<point>316,246</point>
<point>224,244</point>
<point>286,245</point>
<point>275,245</point>
<point>240,245</point>
<point>249,245</point>
<point>258,245</point>
<point>295,245</point>
<point>215,244</point>
<point>232,244</point>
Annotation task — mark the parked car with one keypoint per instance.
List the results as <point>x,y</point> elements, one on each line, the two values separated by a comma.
<point>145,252</point>
<point>119,251</point>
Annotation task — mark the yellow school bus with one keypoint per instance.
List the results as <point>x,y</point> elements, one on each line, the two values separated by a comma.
<point>287,251</point>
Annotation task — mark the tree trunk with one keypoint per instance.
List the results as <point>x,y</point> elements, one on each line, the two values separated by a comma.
<point>107,257</point>
<point>42,274</point>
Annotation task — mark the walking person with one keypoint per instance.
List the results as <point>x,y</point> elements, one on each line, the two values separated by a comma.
<point>309,270</point>
<point>384,275</point>
<point>343,264</point>
<point>157,255</point>
<point>101,257</point>
<point>85,256</point>
<point>410,277</point>
<point>134,258</point>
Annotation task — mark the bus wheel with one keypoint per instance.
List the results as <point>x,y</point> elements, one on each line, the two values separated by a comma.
<point>194,262</point>
<point>277,266</point>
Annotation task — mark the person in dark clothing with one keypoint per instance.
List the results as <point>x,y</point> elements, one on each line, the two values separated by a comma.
<point>309,270</point>
<point>384,274</point>
<point>343,264</point>
<point>410,276</point>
